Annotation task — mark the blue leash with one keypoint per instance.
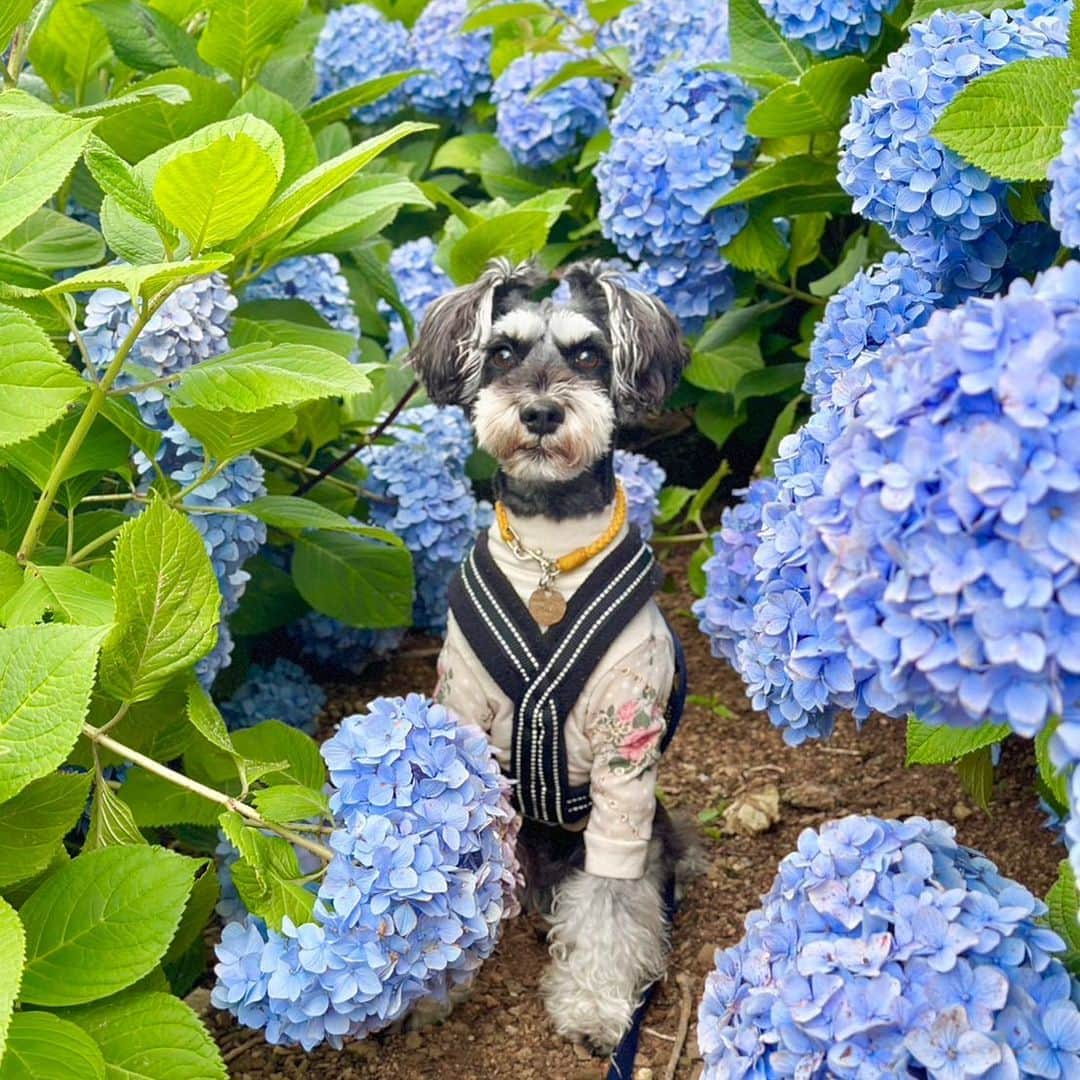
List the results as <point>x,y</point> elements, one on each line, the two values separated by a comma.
<point>622,1060</point>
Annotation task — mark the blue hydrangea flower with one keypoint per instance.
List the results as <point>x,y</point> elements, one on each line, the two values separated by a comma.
<point>679,143</point>
<point>332,645</point>
<point>315,279</point>
<point>952,217</point>
<point>885,949</point>
<point>547,129</point>
<point>653,31</point>
<point>873,309</point>
<point>217,659</point>
<point>458,65</point>
<point>419,281</point>
<point>693,291</point>
<point>830,27</point>
<point>1065,184</point>
<point>413,900</point>
<point>192,325</point>
<point>442,428</point>
<point>284,691</point>
<point>949,519</point>
<point>358,44</point>
<point>642,480</point>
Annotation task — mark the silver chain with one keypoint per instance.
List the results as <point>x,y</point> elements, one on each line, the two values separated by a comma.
<point>549,568</point>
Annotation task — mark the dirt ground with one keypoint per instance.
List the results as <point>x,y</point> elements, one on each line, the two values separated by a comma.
<point>723,751</point>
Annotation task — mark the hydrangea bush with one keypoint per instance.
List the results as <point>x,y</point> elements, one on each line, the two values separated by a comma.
<point>283,691</point>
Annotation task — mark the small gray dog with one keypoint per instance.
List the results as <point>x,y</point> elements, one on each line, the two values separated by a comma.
<point>555,646</point>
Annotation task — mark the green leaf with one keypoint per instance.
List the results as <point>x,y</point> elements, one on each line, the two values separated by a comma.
<point>111,819</point>
<point>257,377</point>
<point>42,1046</point>
<point>36,385</point>
<point>1074,35</point>
<point>46,673</point>
<point>124,415</point>
<point>69,594</point>
<point>852,262</point>
<point>592,68</point>
<point>516,234</point>
<point>167,604</point>
<point>295,514</point>
<point>34,822</point>
<point>1009,122</point>
<point>723,367</point>
<point>784,424</point>
<point>802,170</point>
<point>1062,900</point>
<point>354,579</point>
<point>102,922</point>
<point>166,94</point>
<point>241,34</point>
<point>285,803</point>
<point>122,183</point>
<point>138,35</point>
<point>68,48</point>
<point>504,13</point>
<point>1054,781</point>
<point>768,381</point>
<point>716,418</point>
<point>226,434</point>
<point>758,247</point>
<point>672,501</point>
<point>757,46</point>
<point>342,104</point>
<point>930,745</point>
<point>206,719</point>
<point>819,100</point>
<point>12,13</point>
<point>300,152</point>
<point>50,241</point>
<point>12,958</point>
<point>976,772</point>
<point>150,1036</point>
<point>142,281</point>
<point>705,493</point>
<point>467,153</point>
<point>277,741</point>
<point>269,601</point>
<point>923,9</point>
<point>155,803</point>
<point>732,324</point>
<point>197,912</point>
<point>36,154</point>
<point>806,233</point>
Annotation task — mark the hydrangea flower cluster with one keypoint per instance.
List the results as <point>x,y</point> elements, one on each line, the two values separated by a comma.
<point>830,27</point>
<point>413,900</point>
<point>442,428</point>
<point>951,216</point>
<point>331,644</point>
<point>457,66</point>
<point>884,948</point>
<point>652,31</point>
<point>642,480</point>
<point>874,308</point>
<point>693,292</point>
<point>949,520</point>
<point>425,498</point>
<point>315,279</point>
<point>284,691</point>
<point>1065,184</point>
<point>419,281</point>
<point>358,43</point>
<point>547,129</point>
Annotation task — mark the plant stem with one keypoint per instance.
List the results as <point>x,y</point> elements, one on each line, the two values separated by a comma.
<point>89,549</point>
<point>97,735</point>
<point>797,294</point>
<point>307,470</point>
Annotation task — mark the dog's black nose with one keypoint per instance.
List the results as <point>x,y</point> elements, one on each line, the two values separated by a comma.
<point>542,417</point>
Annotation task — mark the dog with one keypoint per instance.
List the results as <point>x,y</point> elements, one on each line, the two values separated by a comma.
<point>571,671</point>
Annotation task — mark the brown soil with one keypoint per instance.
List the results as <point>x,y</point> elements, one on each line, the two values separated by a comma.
<point>501,1033</point>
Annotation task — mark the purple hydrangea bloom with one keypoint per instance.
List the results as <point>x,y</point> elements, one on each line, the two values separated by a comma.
<point>457,65</point>
<point>642,480</point>
<point>830,27</point>
<point>358,43</point>
<point>284,691</point>
<point>883,949</point>
<point>679,143</point>
<point>951,216</point>
<point>414,898</point>
<point>329,643</point>
<point>1065,184</point>
<point>419,281</point>
<point>653,31</point>
<point>315,279</point>
<point>547,129</point>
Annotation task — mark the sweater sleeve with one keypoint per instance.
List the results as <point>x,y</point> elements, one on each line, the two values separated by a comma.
<point>460,684</point>
<point>624,724</point>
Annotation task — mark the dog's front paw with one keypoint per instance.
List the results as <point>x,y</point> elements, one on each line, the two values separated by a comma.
<point>584,1011</point>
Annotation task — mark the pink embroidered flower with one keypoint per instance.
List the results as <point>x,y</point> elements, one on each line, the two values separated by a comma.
<point>639,742</point>
<point>628,713</point>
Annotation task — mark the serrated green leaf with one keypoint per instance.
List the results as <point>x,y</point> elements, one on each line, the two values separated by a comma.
<point>206,718</point>
<point>12,959</point>
<point>268,331</point>
<point>35,821</point>
<point>295,135</point>
<point>1009,122</point>
<point>338,106</point>
<point>269,601</point>
<point>120,181</point>
<point>730,325</point>
<point>516,234</point>
<point>799,171</point>
<point>197,912</point>
<point>717,418</point>
<point>291,513</point>
<point>498,14</point>
<point>46,673</point>
<point>135,34</point>
<point>286,803</point>
<point>758,47</point>
<point>166,94</point>
<point>68,594</point>
<point>1062,901</point>
<point>167,604</point>
<point>50,241</point>
<point>124,416</point>
<point>226,434</point>
<point>101,923</point>
<point>758,247</point>
<point>42,1046</point>
<point>672,500</point>
<point>976,772</point>
<point>1055,781</point>
<point>929,745</point>
<point>722,368</point>
<point>241,34</point>
<point>819,100</point>
<point>142,281</point>
<point>111,819</point>
<point>36,385</point>
<point>277,741</point>
<point>844,271</point>
<point>783,425</point>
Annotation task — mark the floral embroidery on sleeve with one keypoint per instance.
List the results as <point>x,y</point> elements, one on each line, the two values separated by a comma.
<point>631,733</point>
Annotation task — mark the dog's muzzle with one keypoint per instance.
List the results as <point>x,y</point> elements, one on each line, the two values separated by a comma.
<point>542,417</point>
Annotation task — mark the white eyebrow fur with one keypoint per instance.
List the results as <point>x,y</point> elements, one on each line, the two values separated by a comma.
<point>571,327</point>
<point>520,324</point>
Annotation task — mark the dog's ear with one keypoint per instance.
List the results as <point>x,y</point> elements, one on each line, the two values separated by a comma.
<point>648,351</point>
<point>447,355</point>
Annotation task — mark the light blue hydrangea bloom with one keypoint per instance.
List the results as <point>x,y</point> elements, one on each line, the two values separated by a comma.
<point>830,27</point>
<point>457,65</point>
<point>547,129</point>
<point>413,901</point>
<point>951,216</point>
<point>652,31</point>
<point>284,691</point>
<point>1065,184</point>
<point>949,520</point>
<point>873,309</point>
<point>419,281</point>
<point>217,659</point>
<point>885,949</point>
<point>693,291</point>
<point>357,44</point>
<point>315,279</point>
<point>331,644</point>
<point>444,429</point>
<point>642,480</point>
<point>679,143</point>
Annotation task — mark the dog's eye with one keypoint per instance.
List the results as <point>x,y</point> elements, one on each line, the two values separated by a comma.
<point>587,360</point>
<point>503,357</point>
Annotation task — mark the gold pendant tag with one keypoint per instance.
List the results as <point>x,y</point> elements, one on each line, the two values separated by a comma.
<point>547,605</point>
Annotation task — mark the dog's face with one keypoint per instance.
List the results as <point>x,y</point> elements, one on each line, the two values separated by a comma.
<point>547,382</point>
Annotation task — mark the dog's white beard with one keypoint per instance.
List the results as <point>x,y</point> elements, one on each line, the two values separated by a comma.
<point>608,942</point>
<point>581,439</point>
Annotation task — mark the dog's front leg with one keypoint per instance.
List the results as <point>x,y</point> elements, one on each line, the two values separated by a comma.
<point>608,942</point>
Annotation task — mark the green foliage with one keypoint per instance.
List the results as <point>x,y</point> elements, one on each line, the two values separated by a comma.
<point>929,745</point>
<point>1063,901</point>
